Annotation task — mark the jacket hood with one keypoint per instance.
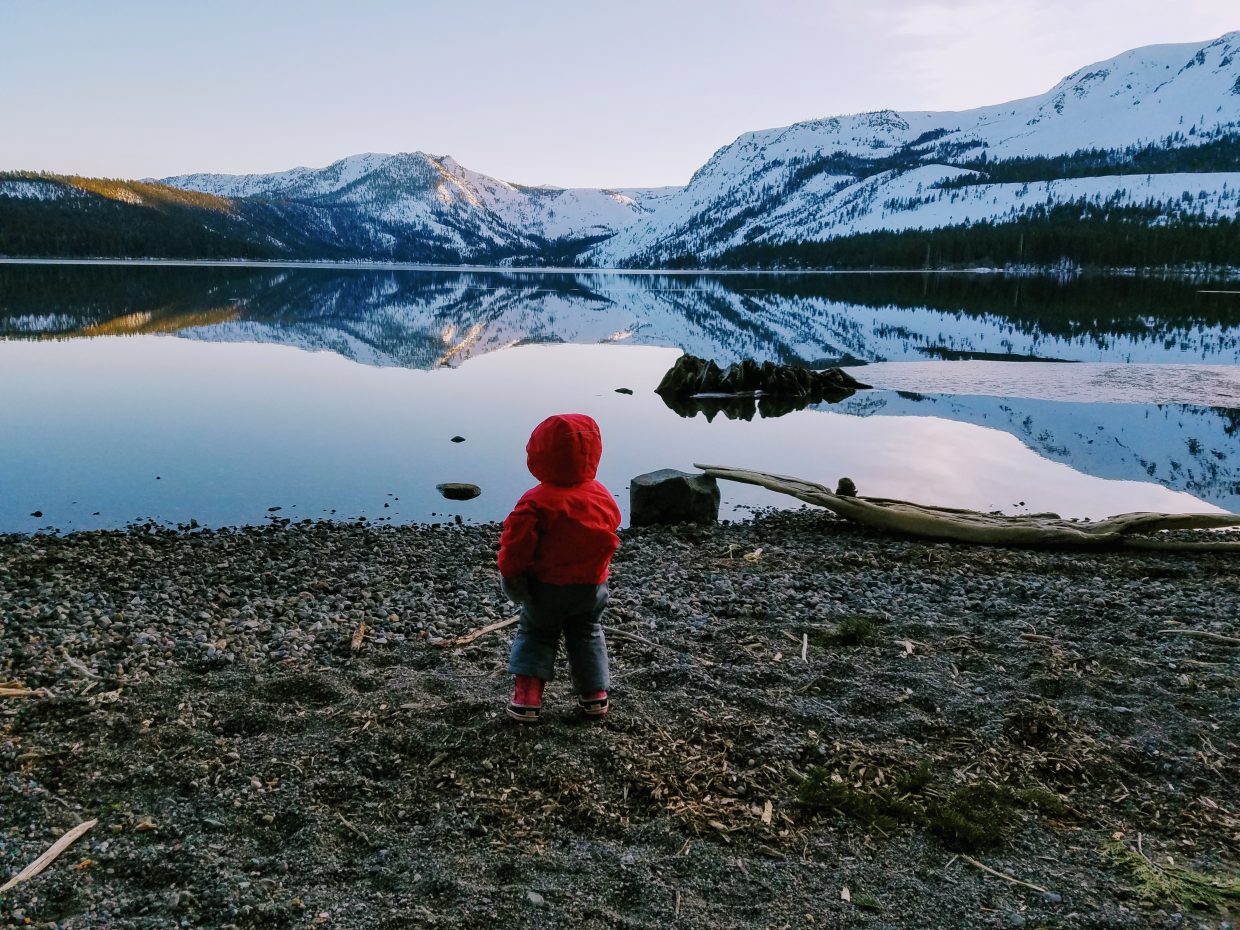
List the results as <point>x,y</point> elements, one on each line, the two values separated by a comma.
<point>564,449</point>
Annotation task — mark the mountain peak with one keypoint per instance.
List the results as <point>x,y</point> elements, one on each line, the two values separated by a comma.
<point>824,178</point>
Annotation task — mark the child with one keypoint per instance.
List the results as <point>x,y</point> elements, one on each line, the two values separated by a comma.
<point>553,557</point>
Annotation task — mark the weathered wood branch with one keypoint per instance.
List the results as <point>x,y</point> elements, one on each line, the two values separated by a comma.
<point>969,526</point>
<point>48,857</point>
<point>1203,634</point>
<point>469,637</point>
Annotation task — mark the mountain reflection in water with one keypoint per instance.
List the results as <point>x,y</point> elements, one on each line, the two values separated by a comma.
<point>1169,421</point>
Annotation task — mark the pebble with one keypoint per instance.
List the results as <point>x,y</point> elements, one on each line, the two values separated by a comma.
<point>535,899</point>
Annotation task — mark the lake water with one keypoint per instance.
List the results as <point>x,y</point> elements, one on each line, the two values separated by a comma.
<point>134,392</point>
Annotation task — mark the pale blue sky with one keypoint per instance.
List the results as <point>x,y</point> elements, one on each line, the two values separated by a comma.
<point>569,92</point>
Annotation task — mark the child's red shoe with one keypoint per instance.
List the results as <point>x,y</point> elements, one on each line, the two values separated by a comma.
<point>594,705</point>
<point>526,703</point>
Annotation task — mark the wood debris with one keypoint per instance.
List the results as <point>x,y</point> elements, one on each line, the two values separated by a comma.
<point>469,637</point>
<point>1203,634</point>
<point>970,526</point>
<point>1007,878</point>
<point>48,857</point>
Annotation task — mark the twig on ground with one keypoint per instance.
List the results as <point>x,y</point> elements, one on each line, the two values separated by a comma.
<point>354,830</point>
<point>633,637</point>
<point>469,637</point>
<point>16,691</point>
<point>1005,877</point>
<point>1204,634</point>
<point>81,667</point>
<point>48,857</point>
<point>466,638</point>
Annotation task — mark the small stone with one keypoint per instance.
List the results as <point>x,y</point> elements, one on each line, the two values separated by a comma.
<point>535,899</point>
<point>458,438</point>
<point>1052,897</point>
<point>37,513</point>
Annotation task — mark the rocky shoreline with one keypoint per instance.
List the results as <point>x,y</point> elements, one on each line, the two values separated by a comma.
<point>814,725</point>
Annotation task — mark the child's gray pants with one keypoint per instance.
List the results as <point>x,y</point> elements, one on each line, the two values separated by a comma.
<point>571,610</point>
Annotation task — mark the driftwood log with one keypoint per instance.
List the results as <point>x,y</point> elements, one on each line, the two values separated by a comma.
<point>970,526</point>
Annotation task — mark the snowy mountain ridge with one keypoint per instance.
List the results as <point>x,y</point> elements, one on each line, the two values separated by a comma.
<point>436,196</point>
<point>819,179</point>
<point>832,177</point>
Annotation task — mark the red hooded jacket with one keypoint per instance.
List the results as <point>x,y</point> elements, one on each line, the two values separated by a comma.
<point>564,530</point>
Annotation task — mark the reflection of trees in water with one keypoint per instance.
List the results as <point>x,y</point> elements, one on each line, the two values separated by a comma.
<point>739,406</point>
<point>413,317</point>
<point>426,319</point>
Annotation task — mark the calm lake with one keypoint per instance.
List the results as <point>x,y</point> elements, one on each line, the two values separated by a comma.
<point>135,392</point>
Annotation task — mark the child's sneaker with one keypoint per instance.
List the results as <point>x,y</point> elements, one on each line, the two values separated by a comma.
<point>594,705</point>
<point>526,703</point>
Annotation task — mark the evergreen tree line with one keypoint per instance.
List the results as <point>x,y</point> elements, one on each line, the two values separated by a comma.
<point>1172,155</point>
<point>85,225</point>
<point>81,296</point>
<point>1222,154</point>
<point>1089,235</point>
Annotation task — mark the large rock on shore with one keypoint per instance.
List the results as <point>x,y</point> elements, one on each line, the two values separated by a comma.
<point>671,496</point>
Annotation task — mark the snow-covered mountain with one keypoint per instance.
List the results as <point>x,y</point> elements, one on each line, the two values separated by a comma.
<point>433,198</point>
<point>1133,161</point>
<point>833,177</point>
<point>1154,129</point>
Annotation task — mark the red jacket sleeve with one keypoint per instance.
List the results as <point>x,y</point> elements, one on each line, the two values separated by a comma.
<point>519,540</point>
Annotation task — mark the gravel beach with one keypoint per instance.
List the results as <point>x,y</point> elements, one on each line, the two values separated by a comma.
<point>814,725</point>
